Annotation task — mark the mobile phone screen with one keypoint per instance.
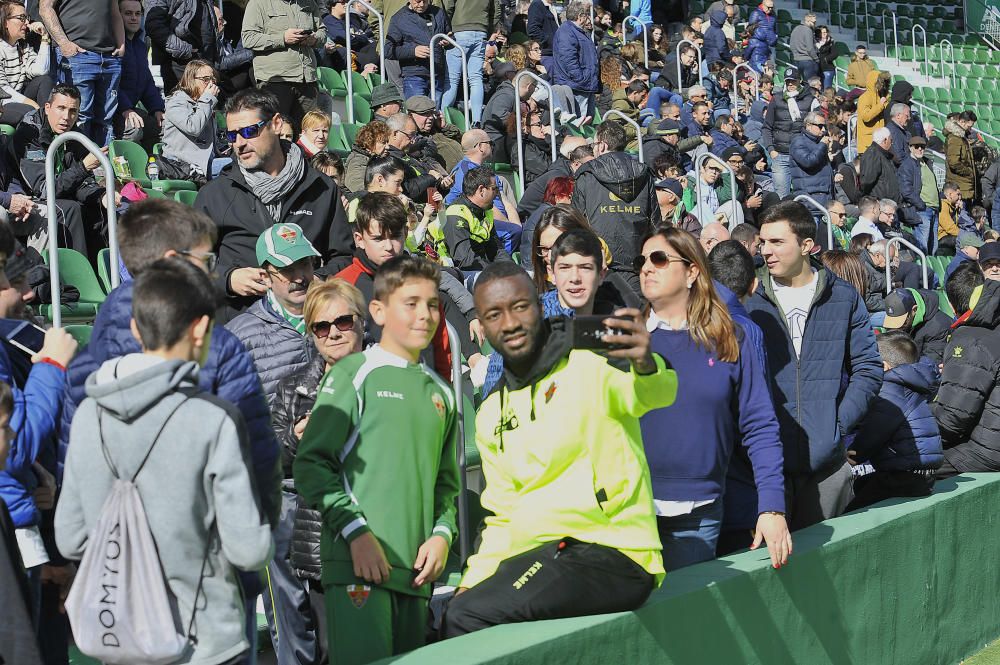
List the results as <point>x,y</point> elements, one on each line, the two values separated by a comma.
<point>23,335</point>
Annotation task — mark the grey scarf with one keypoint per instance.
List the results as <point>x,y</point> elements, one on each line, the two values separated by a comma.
<point>272,189</point>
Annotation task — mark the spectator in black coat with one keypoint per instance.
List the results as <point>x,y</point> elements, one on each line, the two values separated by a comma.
<point>918,313</point>
<point>542,25</point>
<point>878,171</point>
<point>899,117</point>
<point>408,41</point>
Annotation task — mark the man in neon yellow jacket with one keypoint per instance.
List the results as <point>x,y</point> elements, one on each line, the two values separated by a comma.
<point>573,529</point>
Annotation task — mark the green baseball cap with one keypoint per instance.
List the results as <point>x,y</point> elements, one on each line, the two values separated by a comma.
<point>282,245</point>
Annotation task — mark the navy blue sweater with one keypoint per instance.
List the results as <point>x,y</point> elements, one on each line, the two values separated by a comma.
<point>407,31</point>
<point>689,444</point>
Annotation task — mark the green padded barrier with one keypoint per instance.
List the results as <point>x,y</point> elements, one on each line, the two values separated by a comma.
<point>904,582</point>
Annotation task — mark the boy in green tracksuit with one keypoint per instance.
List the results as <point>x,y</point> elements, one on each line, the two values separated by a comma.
<point>377,459</point>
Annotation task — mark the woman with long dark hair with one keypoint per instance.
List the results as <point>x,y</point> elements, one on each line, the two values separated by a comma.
<point>23,71</point>
<point>725,392</point>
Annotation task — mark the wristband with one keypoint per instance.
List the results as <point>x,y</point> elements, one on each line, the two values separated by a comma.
<point>54,363</point>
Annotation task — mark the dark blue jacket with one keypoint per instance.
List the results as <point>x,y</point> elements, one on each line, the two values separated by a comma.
<point>956,261</point>
<point>574,59</point>
<point>408,30</point>
<point>900,142</point>
<point>716,47</point>
<point>542,25</point>
<point>821,396</point>
<point>995,213</point>
<point>136,84</point>
<point>741,316</point>
<point>910,181</point>
<point>229,373</point>
<point>721,141</point>
<point>34,420</point>
<point>720,98</point>
<point>899,432</point>
<point>810,167</point>
<point>764,38</point>
<point>731,404</point>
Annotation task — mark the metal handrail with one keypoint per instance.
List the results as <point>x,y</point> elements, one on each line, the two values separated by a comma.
<point>350,65</point>
<point>517,117</point>
<point>645,34</point>
<point>464,529</point>
<point>593,24</point>
<point>677,53</point>
<point>951,50</point>
<point>888,264</point>
<point>868,26</point>
<point>638,129</point>
<point>806,199</point>
<point>852,138</point>
<point>913,40</point>
<point>736,90</point>
<point>50,203</point>
<point>698,184</point>
<point>441,37</point>
<point>895,33</point>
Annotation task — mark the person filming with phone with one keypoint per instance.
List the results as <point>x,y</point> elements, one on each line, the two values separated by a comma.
<point>594,548</point>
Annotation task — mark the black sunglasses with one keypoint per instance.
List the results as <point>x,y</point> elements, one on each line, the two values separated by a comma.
<point>321,329</point>
<point>659,259</point>
<point>248,132</point>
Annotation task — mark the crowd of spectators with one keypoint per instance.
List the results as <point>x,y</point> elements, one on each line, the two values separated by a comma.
<point>761,363</point>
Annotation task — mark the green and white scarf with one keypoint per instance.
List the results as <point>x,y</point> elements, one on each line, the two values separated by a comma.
<point>297,321</point>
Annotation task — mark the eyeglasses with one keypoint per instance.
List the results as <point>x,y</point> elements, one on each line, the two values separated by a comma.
<point>210,259</point>
<point>321,329</point>
<point>406,134</point>
<point>248,132</point>
<point>206,79</point>
<point>734,162</point>
<point>543,251</point>
<point>659,259</point>
<point>23,18</point>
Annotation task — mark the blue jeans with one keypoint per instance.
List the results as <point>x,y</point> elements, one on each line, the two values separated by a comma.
<point>474,45</point>
<point>509,234</point>
<point>96,76</point>
<point>757,64</point>
<point>691,538</point>
<point>658,95</point>
<point>807,69</point>
<point>781,175</point>
<point>584,104</point>
<point>216,165</point>
<point>828,78</point>
<point>926,231</point>
<point>420,85</point>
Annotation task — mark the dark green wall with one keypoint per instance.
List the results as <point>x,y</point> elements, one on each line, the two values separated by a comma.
<point>908,582</point>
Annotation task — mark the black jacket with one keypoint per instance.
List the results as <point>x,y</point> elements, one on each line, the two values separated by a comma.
<point>293,400</point>
<point>779,128</point>
<point>968,404</point>
<point>874,283</point>
<point>878,174</point>
<point>314,204</point>
<point>615,192</point>
<point>495,113</point>
<point>535,189</point>
<point>668,75</point>
<point>408,30</point>
<point>416,179</point>
<point>931,327</point>
<point>537,156</point>
<point>31,142</point>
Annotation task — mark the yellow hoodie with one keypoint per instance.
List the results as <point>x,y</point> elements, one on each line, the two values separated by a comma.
<point>566,460</point>
<point>871,110</point>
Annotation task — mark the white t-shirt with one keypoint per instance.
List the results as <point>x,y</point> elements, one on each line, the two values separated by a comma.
<point>864,225</point>
<point>795,302</point>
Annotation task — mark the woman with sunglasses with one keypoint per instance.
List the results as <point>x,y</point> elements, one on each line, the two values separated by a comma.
<point>189,122</point>
<point>23,72</point>
<point>534,138</point>
<point>725,397</point>
<point>334,312</point>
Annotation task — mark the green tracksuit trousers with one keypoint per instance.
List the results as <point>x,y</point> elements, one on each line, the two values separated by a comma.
<point>367,623</point>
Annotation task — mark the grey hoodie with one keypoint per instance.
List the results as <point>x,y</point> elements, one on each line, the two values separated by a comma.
<point>197,473</point>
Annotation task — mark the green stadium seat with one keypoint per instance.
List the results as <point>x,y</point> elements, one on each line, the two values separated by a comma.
<point>943,303</point>
<point>137,159</point>
<point>104,269</point>
<point>337,142</point>
<point>331,82</point>
<point>7,130</point>
<point>362,109</point>
<point>75,270</point>
<point>374,80</point>
<point>157,149</point>
<point>81,332</point>
<point>456,117</point>
<point>155,194</point>
<point>361,85</point>
<point>350,132</point>
<point>186,196</point>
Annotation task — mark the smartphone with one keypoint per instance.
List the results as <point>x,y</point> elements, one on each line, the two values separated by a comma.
<point>431,191</point>
<point>587,332</point>
<point>23,335</point>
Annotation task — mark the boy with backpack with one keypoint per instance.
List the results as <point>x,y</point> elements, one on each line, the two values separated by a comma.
<point>377,459</point>
<point>138,473</point>
<point>898,436</point>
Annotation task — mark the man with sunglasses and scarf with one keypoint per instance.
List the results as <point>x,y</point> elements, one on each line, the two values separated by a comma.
<point>270,183</point>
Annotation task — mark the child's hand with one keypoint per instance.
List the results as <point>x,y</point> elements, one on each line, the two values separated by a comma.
<point>369,559</point>
<point>430,561</point>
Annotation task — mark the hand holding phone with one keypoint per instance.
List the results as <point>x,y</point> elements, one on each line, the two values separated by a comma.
<point>621,335</point>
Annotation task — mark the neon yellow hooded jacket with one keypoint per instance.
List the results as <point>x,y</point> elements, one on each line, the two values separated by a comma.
<point>566,460</point>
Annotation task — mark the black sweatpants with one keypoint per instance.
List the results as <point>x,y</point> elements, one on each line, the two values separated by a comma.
<point>881,485</point>
<point>551,582</point>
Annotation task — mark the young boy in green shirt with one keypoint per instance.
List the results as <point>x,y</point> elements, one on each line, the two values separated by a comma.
<point>377,459</point>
